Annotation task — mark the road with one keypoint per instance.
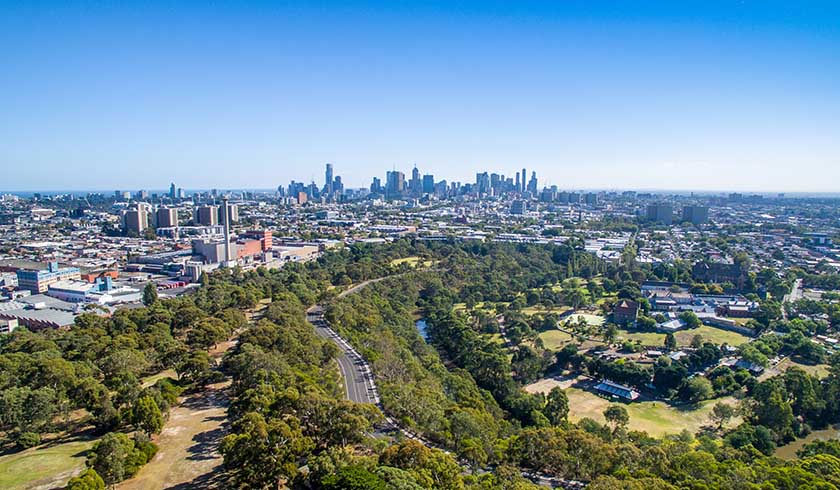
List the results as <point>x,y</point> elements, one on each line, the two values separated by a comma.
<point>355,372</point>
<point>360,387</point>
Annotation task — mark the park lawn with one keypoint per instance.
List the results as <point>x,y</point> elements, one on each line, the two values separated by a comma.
<point>819,370</point>
<point>657,418</point>
<point>593,320</point>
<point>711,334</point>
<point>412,261</point>
<point>555,339</point>
<point>646,338</point>
<point>48,466</point>
<point>150,380</point>
<point>540,310</point>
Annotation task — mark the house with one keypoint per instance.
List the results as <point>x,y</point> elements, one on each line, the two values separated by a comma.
<point>616,390</point>
<point>719,272</point>
<point>625,312</point>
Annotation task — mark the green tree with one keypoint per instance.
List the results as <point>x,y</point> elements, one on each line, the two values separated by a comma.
<point>670,341</point>
<point>146,415</point>
<point>353,478</point>
<point>87,480</point>
<point>690,319</point>
<point>697,389</point>
<point>557,406</point>
<point>150,295</point>
<point>617,416</point>
<point>721,414</point>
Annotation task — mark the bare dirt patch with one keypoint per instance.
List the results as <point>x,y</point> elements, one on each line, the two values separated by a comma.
<point>189,443</point>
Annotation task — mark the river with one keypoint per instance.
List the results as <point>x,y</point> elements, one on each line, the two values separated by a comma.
<point>421,327</point>
<point>788,451</point>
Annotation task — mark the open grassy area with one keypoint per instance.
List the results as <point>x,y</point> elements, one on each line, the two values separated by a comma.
<point>412,261</point>
<point>820,370</point>
<point>646,338</point>
<point>48,466</point>
<point>594,320</point>
<point>683,337</point>
<point>711,334</point>
<point>656,418</point>
<point>541,310</point>
<point>189,442</point>
<point>150,380</point>
<point>555,339</point>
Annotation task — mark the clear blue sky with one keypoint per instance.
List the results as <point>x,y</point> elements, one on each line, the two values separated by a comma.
<point>673,94</point>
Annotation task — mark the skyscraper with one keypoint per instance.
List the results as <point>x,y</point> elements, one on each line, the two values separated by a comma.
<point>328,179</point>
<point>522,181</point>
<point>394,184</point>
<point>428,184</point>
<point>532,184</point>
<point>172,194</point>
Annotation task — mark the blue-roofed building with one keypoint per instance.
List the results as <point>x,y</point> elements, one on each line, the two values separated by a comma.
<point>614,389</point>
<point>39,281</point>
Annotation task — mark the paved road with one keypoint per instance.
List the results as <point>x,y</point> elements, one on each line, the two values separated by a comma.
<point>361,387</point>
<point>354,370</point>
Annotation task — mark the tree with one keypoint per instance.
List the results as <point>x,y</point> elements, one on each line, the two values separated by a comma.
<point>721,414</point>
<point>557,406</point>
<point>116,457</point>
<point>670,341</point>
<point>610,333</point>
<point>146,415</point>
<point>150,295</point>
<point>87,480</point>
<point>617,416</point>
<point>353,478</point>
<point>690,319</point>
<point>697,389</point>
<point>261,452</point>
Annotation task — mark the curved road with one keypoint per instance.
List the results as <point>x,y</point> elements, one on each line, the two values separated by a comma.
<point>361,388</point>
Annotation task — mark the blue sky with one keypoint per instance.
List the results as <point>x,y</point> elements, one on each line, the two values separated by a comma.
<point>674,95</point>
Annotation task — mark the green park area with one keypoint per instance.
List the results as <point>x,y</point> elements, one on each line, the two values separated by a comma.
<point>657,418</point>
<point>555,339</point>
<point>47,466</point>
<point>683,337</point>
<point>413,261</point>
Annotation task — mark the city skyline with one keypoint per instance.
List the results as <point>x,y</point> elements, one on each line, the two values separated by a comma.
<point>696,96</point>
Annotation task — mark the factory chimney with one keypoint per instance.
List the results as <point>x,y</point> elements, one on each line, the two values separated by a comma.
<point>226,218</point>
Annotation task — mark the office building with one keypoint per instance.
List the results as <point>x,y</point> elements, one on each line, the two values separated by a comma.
<point>428,184</point>
<point>661,212</point>
<point>394,184</point>
<point>328,179</point>
<point>233,213</point>
<point>522,181</point>
<point>519,206</point>
<point>207,215</point>
<point>166,217</point>
<point>39,281</point>
<point>695,214</point>
<point>136,219</point>
<point>172,194</point>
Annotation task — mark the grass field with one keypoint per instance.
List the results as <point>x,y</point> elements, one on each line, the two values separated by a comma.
<point>150,380</point>
<point>594,320</point>
<point>820,370</point>
<point>540,310</point>
<point>188,444</point>
<point>555,339</point>
<point>44,467</point>
<point>711,334</point>
<point>413,261</point>
<point>683,337</point>
<point>646,338</point>
<point>655,418</point>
